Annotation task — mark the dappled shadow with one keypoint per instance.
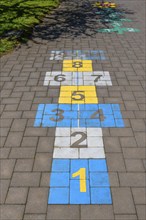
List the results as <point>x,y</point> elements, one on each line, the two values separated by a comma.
<point>76,18</point>
<point>72,19</point>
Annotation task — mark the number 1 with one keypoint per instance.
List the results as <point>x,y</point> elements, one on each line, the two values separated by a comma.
<point>82,173</point>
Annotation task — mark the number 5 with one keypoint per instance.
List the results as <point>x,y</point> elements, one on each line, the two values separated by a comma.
<point>78,93</point>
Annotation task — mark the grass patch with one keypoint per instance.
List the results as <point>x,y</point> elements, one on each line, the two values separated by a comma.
<point>18,17</point>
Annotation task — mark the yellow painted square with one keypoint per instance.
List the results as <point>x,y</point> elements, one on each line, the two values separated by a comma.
<point>77,66</point>
<point>78,94</point>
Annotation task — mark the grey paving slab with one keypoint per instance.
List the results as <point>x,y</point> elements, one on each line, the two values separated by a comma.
<point>26,152</point>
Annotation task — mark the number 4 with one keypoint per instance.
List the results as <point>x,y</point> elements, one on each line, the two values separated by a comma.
<point>82,174</point>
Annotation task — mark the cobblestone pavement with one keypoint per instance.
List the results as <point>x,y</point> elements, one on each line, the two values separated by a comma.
<point>27,148</point>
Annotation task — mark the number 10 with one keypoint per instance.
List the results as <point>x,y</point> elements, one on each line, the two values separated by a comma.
<point>82,174</point>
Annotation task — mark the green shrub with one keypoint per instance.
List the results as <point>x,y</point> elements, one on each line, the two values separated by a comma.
<point>21,15</point>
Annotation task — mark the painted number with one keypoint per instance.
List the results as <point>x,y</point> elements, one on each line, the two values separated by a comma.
<point>97,78</point>
<point>77,64</point>
<point>82,174</point>
<point>98,114</point>
<point>76,143</point>
<point>59,78</point>
<point>77,95</point>
<point>59,113</point>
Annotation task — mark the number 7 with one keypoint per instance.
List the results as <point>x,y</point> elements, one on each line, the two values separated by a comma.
<point>82,174</point>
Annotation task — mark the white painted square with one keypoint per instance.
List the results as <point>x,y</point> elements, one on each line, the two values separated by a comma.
<point>94,132</point>
<point>95,141</point>
<point>63,132</point>
<point>62,141</point>
<point>95,78</point>
<point>91,153</point>
<point>66,153</point>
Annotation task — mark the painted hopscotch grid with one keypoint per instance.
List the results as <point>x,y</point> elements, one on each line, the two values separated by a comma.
<point>79,181</point>
<point>95,78</point>
<point>77,54</point>
<point>78,143</point>
<point>77,65</point>
<point>79,115</point>
<point>78,94</point>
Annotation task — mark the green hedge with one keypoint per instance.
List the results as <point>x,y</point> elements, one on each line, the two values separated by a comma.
<point>19,16</point>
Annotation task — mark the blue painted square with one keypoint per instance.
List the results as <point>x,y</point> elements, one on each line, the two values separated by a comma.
<point>77,197</point>
<point>82,123</point>
<point>117,114</point>
<point>49,108</point>
<point>64,123</point>
<point>99,179</point>
<point>101,196</point>
<point>37,122</point>
<point>61,165</point>
<point>76,164</point>
<point>116,107</point>
<point>59,180</point>
<point>46,122</point>
<point>75,123</point>
<point>97,165</point>
<point>93,123</point>
<point>70,114</point>
<point>106,108</point>
<point>119,123</point>
<point>39,115</point>
<point>41,107</point>
<point>66,107</point>
<point>108,121</point>
<point>89,107</point>
<point>58,196</point>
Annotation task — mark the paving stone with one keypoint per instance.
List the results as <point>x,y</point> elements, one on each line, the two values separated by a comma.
<point>45,179</point>
<point>132,179</point>
<point>16,196</point>
<point>98,212</point>
<point>37,201</point>
<point>134,153</point>
<point>4,132</point>
<point>125,217</point>
<point>128,142</point>
<point>24,165</point>
<point>7,167</point>
<point>112,144</point>
<point>18,125</point>
<point>34,217</point>
<point>138,124</point>
<point>4,185</point>
<point>11,212</point>
<point>46,144</point>
<point>115,162</point>
<point>35,132</point>
<point>29,141</point>
<point>126,132</point>
<point>14,139</point>
<point>25,179</point>
<point>23,152</point>
<point>4,153</point>
<point>63,212</point>
<point>133,165</point>
<point>139,195</point>
<point>141,212</point>
<point>140,139</point>
<point>125,204</point>
<point>114,179</point>
<point>42,162</point>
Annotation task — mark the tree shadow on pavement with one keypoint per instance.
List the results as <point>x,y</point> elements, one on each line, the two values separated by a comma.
<point>70,20</point>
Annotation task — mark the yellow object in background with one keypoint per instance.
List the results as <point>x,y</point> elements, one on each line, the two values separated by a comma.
<point>105,5</point>
<point>78,95</point>
<point>77,66</point>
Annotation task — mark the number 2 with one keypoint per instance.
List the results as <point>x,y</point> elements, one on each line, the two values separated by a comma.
<point>82,174</point>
